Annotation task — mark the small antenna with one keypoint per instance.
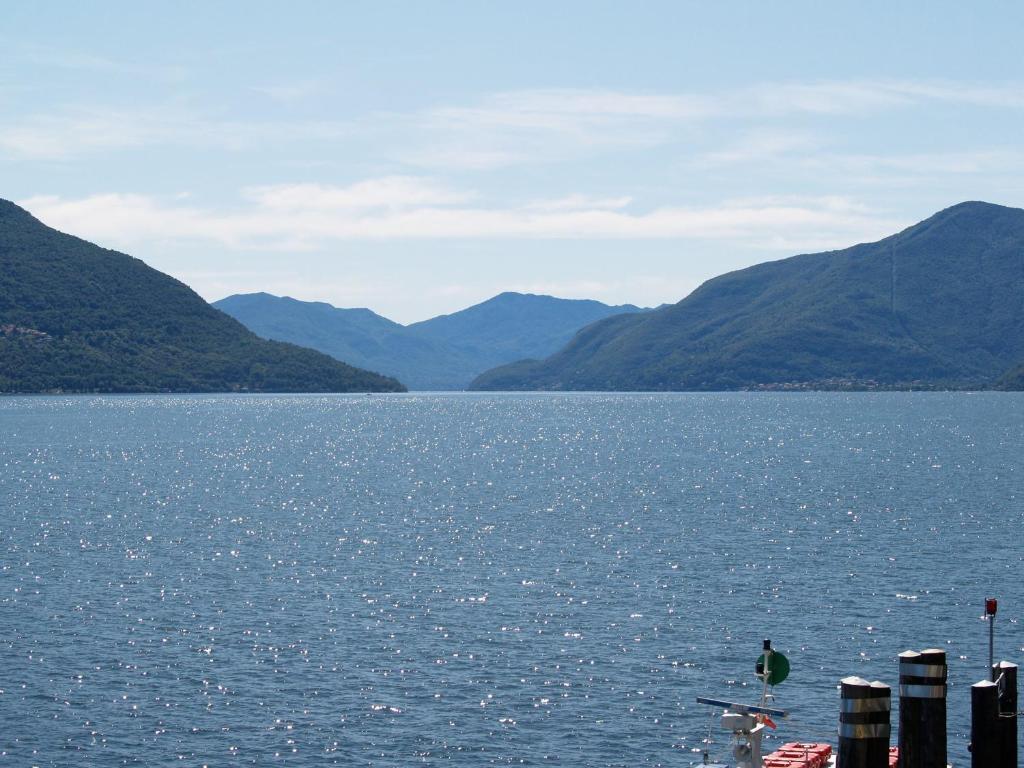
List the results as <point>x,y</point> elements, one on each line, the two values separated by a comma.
<point>991,606</point>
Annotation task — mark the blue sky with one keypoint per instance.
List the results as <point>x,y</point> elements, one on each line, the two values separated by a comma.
<point>418,157</point>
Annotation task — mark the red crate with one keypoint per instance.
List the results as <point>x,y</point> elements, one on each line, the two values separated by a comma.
<point>796,754</point>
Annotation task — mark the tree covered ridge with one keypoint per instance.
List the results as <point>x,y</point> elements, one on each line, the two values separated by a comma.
<point>939,305</point>
<point>88,319</point>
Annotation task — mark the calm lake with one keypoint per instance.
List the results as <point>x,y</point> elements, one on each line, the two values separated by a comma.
<point>486,579</point>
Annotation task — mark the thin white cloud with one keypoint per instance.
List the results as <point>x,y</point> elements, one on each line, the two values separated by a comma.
<point>89,130</point>
<point>759,146</point>
<point>387,192</point>
<point>498,130</point>
<point>466,158</point>
<point>290,93</point>
<point>522,127</point>
<point>549,125</point>
<point>997,161</point>
<point>1008,95</point>
<point>126,220</point>
<point>790,155</point>
<point>281,219</point>
<point>61,57</point>
<point>572,109</point>
<point>579,202</point>
<point>859,97</point>
<point>581,111</point>
<point>53,137</point>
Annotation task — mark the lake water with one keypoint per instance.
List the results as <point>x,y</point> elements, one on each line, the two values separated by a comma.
<point>486,579</point>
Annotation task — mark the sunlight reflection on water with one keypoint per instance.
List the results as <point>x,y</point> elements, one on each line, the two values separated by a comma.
<point>484,579</point>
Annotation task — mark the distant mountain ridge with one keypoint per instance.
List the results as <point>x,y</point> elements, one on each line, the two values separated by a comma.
<point>75,317</point>
<point>940,304</point>
<point>443,353</point>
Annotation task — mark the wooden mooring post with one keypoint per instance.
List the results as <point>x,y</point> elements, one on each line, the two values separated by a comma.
<point>1004,674</point>
<point>985,744</point>
<point>922,738</point>
<point>864,723</point>
<point>994,719</point>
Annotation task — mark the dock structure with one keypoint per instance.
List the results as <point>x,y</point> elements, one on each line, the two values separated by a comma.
<point>994,719</point>
<point>865,717</point>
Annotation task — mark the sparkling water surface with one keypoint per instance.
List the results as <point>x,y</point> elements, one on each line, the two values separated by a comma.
<point>486,579</point>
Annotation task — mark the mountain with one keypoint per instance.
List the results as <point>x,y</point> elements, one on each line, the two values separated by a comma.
<point>357,336</point>
<point>940,304</point>
<point>512,326</point>
<point>75,317</point>
<point>442,353</point>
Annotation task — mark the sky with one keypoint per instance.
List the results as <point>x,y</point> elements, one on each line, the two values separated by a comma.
<point>419,157</point>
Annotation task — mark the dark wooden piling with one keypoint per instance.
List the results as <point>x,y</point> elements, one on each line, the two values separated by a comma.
<point>922,736</point>
<point>985,742</point>
<point>864,723</point>
<point>1005,675</point>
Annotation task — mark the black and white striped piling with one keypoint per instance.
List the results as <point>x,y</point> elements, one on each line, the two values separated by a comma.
<point>923,709</point>
<point>864,724</point>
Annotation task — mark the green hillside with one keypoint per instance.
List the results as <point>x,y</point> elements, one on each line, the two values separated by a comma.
<point>75,317</point>
<point>940,304</point>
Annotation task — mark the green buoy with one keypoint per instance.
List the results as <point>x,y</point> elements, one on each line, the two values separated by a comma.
<point>779,670</point>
